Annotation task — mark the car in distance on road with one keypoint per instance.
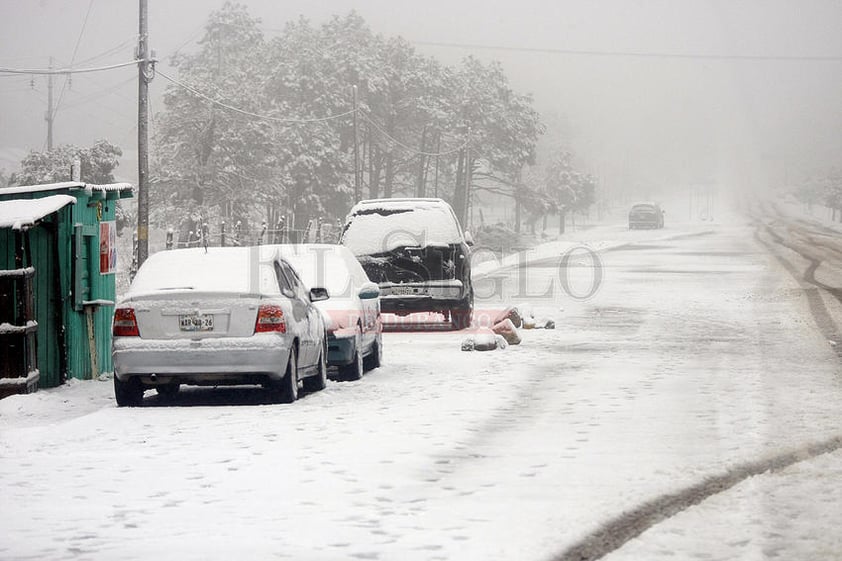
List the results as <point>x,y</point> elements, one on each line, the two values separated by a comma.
<point>416,251</point>
<point>646,215</point>
<point>217,316</point>
<point>352,314</point>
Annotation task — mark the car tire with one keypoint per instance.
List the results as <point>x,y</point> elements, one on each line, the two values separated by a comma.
<point>374,359</point>
<point>289,385</point>
<point>354,371</point>
<point>319,381</point>
<point>168,391</point>
<point>128,393</point>
<point>460,318</point>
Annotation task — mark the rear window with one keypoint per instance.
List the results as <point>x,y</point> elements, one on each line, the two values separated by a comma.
<point>226,270</point>
<point>380,229</point>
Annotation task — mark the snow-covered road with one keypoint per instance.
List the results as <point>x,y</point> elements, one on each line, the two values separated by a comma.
<point>696,358</point>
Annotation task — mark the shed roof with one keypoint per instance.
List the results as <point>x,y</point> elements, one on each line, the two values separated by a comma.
<point>67,186</point>
<point>22,214</point>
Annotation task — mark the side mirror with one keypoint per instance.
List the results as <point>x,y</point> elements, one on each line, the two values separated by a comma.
<point>368,291</point>
<point>318,294</point>
<point>469,239</point>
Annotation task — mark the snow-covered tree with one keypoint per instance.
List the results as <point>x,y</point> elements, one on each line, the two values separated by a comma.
<point>568,188</point>
<point>208,158</point>
<point>296,148</point>
<point>97,164</point>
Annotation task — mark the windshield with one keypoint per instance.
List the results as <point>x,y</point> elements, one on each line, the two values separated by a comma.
<point>373,230</point>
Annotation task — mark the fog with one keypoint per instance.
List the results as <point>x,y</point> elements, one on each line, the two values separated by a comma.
<point>649,95</point>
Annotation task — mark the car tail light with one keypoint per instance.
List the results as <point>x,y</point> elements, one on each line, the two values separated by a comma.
<point>125,323</point>
<point>270,317</point>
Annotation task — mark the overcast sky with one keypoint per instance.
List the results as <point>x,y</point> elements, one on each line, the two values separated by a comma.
<point>632,119</point>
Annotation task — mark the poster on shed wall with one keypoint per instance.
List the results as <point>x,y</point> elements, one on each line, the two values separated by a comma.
<point>107,247</point>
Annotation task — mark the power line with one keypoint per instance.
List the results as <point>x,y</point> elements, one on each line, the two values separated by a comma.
<point>47,71</point>
<point>410,148</point>
<point>101,92</point>
<point>67,78</point>
<point>108,52</point>
<point>206,97</point>
<point>637,54</point>
<point>199,94</point>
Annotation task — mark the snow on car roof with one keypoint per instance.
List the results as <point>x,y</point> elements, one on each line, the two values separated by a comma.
<point>382,225</point>
<point>20,214</point>
<point>216,269</point>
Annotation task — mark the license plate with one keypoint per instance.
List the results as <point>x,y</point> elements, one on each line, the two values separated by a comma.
<point>403,290</point>
<point>193,322</point>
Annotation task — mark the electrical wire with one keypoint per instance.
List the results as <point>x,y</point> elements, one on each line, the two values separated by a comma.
<point>48,71</point>
<point>100,93</point>
<point>54,110</point>
<point>111,51</point>
<point>637,54</point>
<point>410,148</point>
<point>218,103</point>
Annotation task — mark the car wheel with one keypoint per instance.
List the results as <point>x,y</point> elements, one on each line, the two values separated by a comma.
<point>460,318</point>
<point>373,360</point>
<point>319,381</point>
<point>289,385</point>
<point>128,393</point>
<point>168,391</point>
<point>354,371</point>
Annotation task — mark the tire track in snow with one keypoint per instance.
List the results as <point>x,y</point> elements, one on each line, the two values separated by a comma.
<point>818,309</point>
<point>615,533</point>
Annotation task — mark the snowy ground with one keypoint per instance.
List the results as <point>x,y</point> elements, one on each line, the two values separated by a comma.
<point>696,357</point>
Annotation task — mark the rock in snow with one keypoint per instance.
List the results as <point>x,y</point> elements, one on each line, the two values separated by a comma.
<point>510,313</point>
<point>508,331</point>
<point>484,340</point>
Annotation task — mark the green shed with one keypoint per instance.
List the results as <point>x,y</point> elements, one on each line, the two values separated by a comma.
<point>58,259</point>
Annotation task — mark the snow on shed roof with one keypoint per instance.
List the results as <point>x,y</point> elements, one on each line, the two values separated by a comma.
<point>21,214</point>
<point>65,186</point>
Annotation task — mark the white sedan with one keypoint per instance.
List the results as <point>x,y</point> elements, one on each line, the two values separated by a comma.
<point>352,315</point>
<point>218,316</point>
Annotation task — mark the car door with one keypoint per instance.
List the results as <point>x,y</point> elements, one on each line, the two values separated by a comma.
<point>369,307</point>
<point>306,315</point>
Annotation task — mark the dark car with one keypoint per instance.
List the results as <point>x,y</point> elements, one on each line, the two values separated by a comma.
<point>646,215</point>
<point>416,251</point>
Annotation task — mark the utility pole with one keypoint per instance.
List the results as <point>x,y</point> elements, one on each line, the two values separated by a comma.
<point>438,152</point>
<point>356,151</point>
<point>49,116</point>
<point>468,173</point>
<point>142,137</point>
